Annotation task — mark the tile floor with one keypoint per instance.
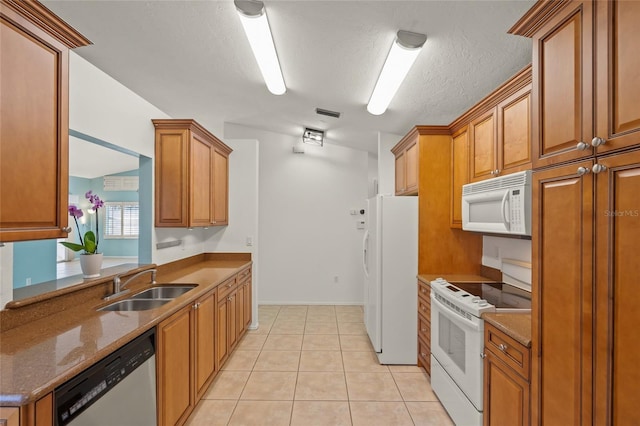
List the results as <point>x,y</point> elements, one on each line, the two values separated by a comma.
<point>314,365</point>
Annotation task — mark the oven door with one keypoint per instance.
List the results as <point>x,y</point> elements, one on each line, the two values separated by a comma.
<point>456,342</point>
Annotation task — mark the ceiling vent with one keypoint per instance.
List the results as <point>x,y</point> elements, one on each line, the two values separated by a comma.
<point>328,113</point>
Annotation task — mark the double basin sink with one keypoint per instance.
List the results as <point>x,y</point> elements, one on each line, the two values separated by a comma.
<point>150,298</point>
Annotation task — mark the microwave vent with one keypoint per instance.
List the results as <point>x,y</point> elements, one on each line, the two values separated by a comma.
<point>503,182</point>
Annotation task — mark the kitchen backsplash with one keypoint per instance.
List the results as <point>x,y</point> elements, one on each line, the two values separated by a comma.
<point>494,249</point>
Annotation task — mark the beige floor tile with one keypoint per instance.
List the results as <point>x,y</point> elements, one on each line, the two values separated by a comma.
<point>227,385</point>
<point>352,342</point>
<point>321,317</point>
<point>287,327</point>
<point>405,369</point>
<point>357,328</point>
<point>270,317</point>
<point>320,328</point>
<point>363,362</point>
<point>263,328</point>
<point>372,387</point>
<point>269,308</point>
<point>321,361</point>
<point>292,316</point>
<point>350,316</point>
<point>261,413</point>
<point>320,342</point>
<point>322,308</point>
<point>252,342</point>
<point>429,414</point>
<point>321,386</point>
<point>294,308</point>
<point>241,361</point>
<point>379,414</point>
<point>212,413</point>
<point>277,361</point>
<point>349,308</point>
<point>414,386</point>
<point>270,386</point>
<point>283,342</point>
<point>321,413</point>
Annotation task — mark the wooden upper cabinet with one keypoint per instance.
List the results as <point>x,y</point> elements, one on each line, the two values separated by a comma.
<point>562,94</point>
<point>407,153</point>
<point>617,69</point>
<point>34,136</point>
<point>483,158</point>
<point>514,132</point>
<point>191,175</point>
<point>459,173</point>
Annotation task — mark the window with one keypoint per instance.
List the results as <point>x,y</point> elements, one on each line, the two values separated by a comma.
<point>121,220</point>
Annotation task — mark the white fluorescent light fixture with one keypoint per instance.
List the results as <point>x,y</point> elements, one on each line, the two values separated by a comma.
<point>403,53</point>
<point>313,136</point>
<point>254,20</point>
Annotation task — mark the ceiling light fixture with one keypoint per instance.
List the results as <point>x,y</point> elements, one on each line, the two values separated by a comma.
<point>253,16</point>
<point>401,57</point>
<point>313,136</point>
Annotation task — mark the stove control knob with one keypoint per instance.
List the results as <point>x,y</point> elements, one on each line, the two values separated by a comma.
<point>482,303</point>
<point>475,299</point>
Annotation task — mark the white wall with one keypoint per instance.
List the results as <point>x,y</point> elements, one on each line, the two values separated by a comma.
<point>372,176</point>
<point>387,162</point>
<point>243,211</point>
<point>101,107</point>
<point>307,236</point>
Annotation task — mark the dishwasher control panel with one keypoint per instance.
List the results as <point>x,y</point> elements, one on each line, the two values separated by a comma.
<point>79,393</point>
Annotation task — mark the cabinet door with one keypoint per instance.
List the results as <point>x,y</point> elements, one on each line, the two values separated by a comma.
<point>459,174</point>
<point>617,272</point>
<point>483,146</point>
<point>204,333</point>
<point>171,176</point>
<point>562,85</point>
<point>400,173</point>
<point>617,82</point>
<point>506,394</point>
<point>240,309</point>
<point>202,154</point>
<point>514,132</point>
<point>175,397</point>
<point>232,319</point>
<point>411,168</point>
<point>248,307</point>
<point>221,188</point>
<point>10,416</point>
<point>562,274</point>
<point>34,148</point>
<point>222,340</point>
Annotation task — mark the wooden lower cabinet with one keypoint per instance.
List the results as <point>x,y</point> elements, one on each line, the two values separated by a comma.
<point>222,346</point>
<point>424,326</point>
<point>10,416</point>
<point>185,359</point>
<point>506,380</point>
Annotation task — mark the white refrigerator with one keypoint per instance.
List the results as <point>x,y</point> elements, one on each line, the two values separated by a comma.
<point>390,261</point>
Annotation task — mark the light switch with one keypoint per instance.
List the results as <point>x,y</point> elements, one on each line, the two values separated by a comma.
<point>249,241</point>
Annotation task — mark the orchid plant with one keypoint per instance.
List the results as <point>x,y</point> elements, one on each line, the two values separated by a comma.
<point>90,241</point>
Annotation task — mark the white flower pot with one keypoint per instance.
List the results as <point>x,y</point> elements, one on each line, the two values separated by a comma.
<point>91,265</point>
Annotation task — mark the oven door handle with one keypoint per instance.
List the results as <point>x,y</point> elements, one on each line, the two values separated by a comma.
<point>463,322</point>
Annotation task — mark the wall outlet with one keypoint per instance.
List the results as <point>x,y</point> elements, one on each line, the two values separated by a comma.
<point>249,241</point>
<point>28,281</point>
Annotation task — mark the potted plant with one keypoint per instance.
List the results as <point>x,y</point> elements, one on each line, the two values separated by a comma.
<point>90,259</point>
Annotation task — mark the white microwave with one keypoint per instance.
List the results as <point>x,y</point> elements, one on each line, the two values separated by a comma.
<point>500,205</point>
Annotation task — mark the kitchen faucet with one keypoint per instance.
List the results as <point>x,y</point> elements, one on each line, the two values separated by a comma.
<point>118,288</point>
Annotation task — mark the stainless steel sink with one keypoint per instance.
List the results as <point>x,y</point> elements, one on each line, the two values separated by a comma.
<point>164,292</point>
<point>135,305</point>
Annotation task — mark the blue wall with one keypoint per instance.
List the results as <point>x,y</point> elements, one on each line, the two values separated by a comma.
<point>35,260</point>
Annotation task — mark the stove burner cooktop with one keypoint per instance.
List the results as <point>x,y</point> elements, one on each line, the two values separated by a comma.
<point>500,295</point>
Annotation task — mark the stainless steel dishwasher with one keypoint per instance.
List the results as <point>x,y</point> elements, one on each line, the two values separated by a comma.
<point>120,389</point>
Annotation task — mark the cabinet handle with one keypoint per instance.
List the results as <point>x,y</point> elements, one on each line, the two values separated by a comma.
<point>66,229</point>
<point>492,172</point>
<point>502,347</point>
<point>483,355</point>
<point>597,168</point>
<point>229,299</point>
<point>423,355</point>
<point>423,329</point>
<point>581,146</point>
<point>196,305</point>
<point>583,171</point>
<point>597,141</point>
<point>497,172</point>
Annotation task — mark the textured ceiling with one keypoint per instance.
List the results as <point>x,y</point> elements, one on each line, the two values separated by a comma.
<point>192,60</point>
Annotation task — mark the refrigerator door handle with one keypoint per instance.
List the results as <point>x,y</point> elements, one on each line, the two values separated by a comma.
<point>365,244</point>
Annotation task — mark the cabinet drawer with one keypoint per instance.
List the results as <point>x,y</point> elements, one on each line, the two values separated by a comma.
<point>226,287</point>
<point>424,355</point>
<point>508,350</point>
<point>424,290</point>
<point>424,328</point>
<point>242,275</point>
<point>424,307</point>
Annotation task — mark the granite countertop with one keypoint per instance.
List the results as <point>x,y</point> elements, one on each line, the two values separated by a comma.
<point>38,356</point>
<point>517,326</point>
